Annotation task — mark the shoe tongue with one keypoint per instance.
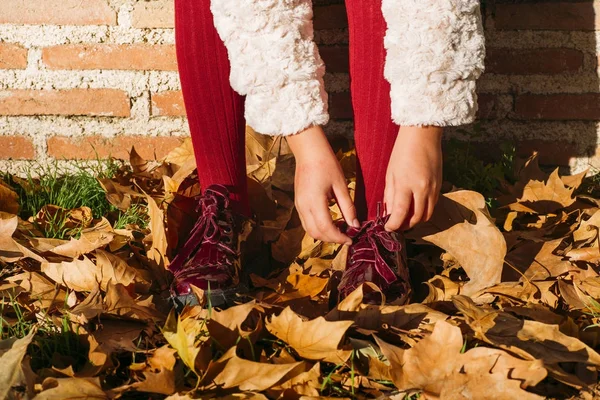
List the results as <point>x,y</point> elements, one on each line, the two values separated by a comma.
<point>217,190</point>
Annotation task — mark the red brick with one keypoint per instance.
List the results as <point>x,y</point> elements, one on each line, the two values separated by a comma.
<point>92,102</point>
<point>91,147</point>
<point>155,14</point>
<point>330,17</point>
<point>57,12</point>
<point>16,148</point>
<point>490,106</point>
<point>335,58</point>
<point>12,56</point>
<point>549,153</point>
<point>168,103</point>
<point>535,61</point>
<point>340,106</point>
<point>558,106</point>
<point>551,16</point>
<point>111,56</point>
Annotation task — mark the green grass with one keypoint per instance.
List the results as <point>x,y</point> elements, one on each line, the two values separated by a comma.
<point>68,189</point>
<point>50,343</point>
<point>137,214</point>
<point>53,184</point>
<point>465,169</point>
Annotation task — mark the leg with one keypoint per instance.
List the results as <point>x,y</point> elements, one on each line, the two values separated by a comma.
<point>215,111</point>
<point>375,133</point>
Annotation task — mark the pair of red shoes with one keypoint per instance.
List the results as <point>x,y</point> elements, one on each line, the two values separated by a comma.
<point>210,258</point>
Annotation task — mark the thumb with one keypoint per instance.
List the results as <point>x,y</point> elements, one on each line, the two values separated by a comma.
<point>346,205</point>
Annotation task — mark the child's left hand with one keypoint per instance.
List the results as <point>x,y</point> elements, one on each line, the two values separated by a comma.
<point>414,176</point>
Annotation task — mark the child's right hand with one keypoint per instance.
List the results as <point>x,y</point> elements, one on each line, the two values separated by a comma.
<point>319,177</point>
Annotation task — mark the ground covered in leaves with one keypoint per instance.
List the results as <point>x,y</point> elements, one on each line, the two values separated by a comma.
<point>505,304</point>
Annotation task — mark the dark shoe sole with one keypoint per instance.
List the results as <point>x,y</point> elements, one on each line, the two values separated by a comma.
<point>221,298</point>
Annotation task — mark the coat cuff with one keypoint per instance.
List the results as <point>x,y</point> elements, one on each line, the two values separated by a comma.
<point>435,53</point>
<point>274,63</point>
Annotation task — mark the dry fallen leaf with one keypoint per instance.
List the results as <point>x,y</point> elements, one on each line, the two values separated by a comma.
<point>252,376</point>
<point>528,339</point>
<point>158,372</point>
<point>71,388</point>
<point>482,323</point>
<point>9,199</point>
<point>13,373</point>
<point>544,197</point>
<point>461,225</point>
<point>83,275</point>
<point>437,366</point>
<point>317,340</point>
<point>158,248</point>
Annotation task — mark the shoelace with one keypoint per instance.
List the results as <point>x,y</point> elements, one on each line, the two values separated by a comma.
<point>368,247</point>
<point>207,228</point>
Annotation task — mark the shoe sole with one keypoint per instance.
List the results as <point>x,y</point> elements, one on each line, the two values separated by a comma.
<point>221,298</point>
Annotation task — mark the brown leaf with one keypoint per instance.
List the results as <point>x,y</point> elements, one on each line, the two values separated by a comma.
<point>89,308</point>
<point>10,249</point>
<point>182,153</point>
<point>88,242</point>
<point>588,230</point>
<point>427,365</point>
<point>51,216</point>
<point>118,335</point>
<point>9,199</point>
<point>118,195</point>
<point>71,388</point>
<point>544,197</point>
<point>306,384</point>
<point>289,245</point>
<point>172,183</point>
<point>119,302</point>
<point>588,254</point>
<point>487,374</point>
<point>436,364</point>
<point>314,340</point>
<point>478,245</point>
<point>537,261</point>
<point>158,372</point>
<point>13,372</point>
<point>40,288</point>
<point>138,164</point>
<point>528,339</point>
<point>292,286</point>
<point>252,376</point>
<point>226,325</point>
<point>84,275</point>
<point>158,249</point>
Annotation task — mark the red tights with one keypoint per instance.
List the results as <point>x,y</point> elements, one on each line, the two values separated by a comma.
<point>216,113</point>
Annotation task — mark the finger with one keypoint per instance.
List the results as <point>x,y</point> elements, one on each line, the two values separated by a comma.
<point>301,214</point>
<point>401,207</point>
<point>327,231</point>
<point>431,202</point>
<point>388,197</point>
<point>419,203</point>
<point>346,205</point>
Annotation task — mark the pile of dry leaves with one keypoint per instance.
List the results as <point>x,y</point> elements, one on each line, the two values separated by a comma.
<point>504,307</point>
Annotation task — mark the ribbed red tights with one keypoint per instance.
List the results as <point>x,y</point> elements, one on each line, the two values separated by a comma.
<point>216,113</point>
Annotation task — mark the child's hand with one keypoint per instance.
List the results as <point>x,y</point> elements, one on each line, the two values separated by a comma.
<point>414,176</point>
<point>319,177</point>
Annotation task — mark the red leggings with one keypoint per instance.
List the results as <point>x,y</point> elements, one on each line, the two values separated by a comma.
<point>216,112</point>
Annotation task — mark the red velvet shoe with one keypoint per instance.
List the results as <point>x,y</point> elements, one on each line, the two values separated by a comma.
<point>379,257</point>
<point>210,258</point>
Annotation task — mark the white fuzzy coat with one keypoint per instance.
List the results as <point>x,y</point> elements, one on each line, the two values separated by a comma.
<point>435,53</point>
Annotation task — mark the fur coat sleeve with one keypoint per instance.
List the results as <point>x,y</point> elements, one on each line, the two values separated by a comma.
<point>435,53</point>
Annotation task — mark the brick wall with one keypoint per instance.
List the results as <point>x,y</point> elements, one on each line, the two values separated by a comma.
<point>77,75</point>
